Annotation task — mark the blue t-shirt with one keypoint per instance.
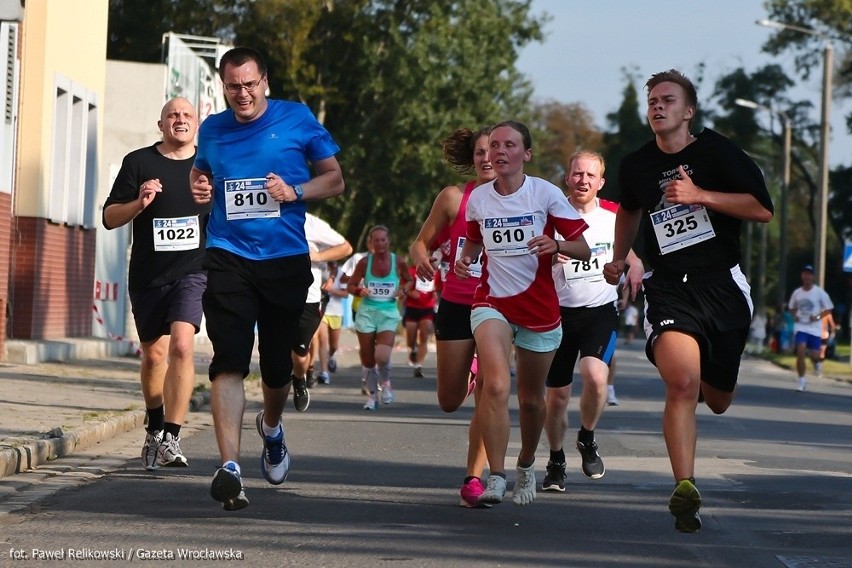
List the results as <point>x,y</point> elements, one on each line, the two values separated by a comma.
<point>283,140</point>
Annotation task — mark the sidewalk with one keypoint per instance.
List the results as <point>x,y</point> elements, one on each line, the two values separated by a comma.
<point>50,409</point>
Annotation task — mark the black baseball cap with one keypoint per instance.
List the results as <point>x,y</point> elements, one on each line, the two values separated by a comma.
<point>808,268</point>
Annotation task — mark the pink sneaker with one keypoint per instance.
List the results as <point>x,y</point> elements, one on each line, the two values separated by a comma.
<point>470,493</point>
<point>474,365</point>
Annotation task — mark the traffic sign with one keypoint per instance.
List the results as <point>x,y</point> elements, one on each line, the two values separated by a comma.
<point>847,256</point>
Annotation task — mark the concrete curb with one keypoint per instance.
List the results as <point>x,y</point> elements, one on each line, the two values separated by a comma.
<point>30,455</point>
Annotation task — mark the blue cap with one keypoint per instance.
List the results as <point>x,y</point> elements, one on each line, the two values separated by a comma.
<point>808,268</point>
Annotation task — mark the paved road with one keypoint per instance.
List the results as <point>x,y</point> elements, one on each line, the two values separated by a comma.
<point>380,489</point>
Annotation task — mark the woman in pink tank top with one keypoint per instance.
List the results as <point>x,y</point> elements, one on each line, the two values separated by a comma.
<point>445,229</point>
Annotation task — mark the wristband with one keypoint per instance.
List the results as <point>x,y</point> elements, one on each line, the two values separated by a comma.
<point>297,189</point>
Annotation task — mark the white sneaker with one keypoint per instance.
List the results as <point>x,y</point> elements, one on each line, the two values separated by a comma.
<point>149,449</point>
<point>803,383</point>
<point>611,400</point>
<point>372,403</point>
<point>387,393</point>
<point>494,491</point>
<point>524,492</point>
<point>169,453</point>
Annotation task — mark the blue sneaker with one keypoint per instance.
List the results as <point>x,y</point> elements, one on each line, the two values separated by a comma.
<point>227,488</point>
<point>275,460</point>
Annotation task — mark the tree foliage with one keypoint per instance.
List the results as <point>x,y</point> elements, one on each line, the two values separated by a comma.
<point>390,79</point>
<point>560,130</point>
<point>628,132</point>
<point>832,21</point>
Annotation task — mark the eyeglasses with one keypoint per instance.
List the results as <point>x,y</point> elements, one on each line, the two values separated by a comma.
<point>236,88</point>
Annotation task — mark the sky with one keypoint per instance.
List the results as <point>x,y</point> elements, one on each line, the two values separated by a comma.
<point>588,44</point>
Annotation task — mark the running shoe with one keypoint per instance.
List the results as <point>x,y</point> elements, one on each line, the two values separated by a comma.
<point>372,403</point>
<point>554,479</point>
<point>227,488</point>
<point>494,491</point>
<point>471,492</point>
<point>803,384</point>
<point>593,465</point>
<point>418,372</point>
<point>611,399</point>
<point>332,365</point>
<point>310,379</point>
<point>275,460</point>
<point>324,378</point>
<point>524,492</point>
<point>387,393</point>
<point>684,504</point>
<point>149,449</point>
<point>168,452</point>
<point>301,394</point>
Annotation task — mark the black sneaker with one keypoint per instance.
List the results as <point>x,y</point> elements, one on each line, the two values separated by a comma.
<point>593,465</point>
<point>418,372</point>
<point>554,479</point>
<point>301,394</point>
<point>227,488</point>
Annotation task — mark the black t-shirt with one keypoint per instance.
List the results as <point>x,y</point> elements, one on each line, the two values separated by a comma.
<point>713,163</point>
<point>175,211</point>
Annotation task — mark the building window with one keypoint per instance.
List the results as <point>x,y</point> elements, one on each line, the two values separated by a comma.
<point>9,123</point>
<point>73,182</point>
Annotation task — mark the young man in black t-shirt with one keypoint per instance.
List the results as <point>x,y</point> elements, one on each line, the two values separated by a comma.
<point>165,279</point>
<point>696,191</point>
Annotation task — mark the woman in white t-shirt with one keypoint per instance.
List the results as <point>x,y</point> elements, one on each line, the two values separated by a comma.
<point>513,219</point>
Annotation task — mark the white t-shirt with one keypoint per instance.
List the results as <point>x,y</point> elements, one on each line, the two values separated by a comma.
<point>335,303</point>
<point>514,282</point>
<point>320,236</point>
<point>580,283</point>
<point>808,303</point>
<point>631,315</point>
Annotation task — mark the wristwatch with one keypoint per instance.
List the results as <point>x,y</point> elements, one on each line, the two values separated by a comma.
<point>298,191</point>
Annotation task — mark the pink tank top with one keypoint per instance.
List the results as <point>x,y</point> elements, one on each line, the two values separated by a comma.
<point>459,290</point>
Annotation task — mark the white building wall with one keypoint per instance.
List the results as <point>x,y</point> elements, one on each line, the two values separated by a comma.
<point>134,99</point>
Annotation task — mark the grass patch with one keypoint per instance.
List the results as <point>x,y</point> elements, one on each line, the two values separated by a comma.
<point>838,368</point>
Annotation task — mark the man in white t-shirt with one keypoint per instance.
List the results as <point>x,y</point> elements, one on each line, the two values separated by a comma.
<point>588,308</point>
<point>324,244</point>
<point>809,304</point>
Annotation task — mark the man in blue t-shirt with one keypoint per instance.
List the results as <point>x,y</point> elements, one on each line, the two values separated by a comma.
<point>253,164</point>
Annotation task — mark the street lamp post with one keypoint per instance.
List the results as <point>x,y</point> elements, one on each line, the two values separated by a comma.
<point>785,190</point>
<point>822,211</point>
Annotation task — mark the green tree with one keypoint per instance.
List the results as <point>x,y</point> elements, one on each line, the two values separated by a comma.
<point>832,20</point>
<point>400,76</point>
<point>628,132</point>
<point>135,29</point>
<point>389,79</point>
<point>560,130</point>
